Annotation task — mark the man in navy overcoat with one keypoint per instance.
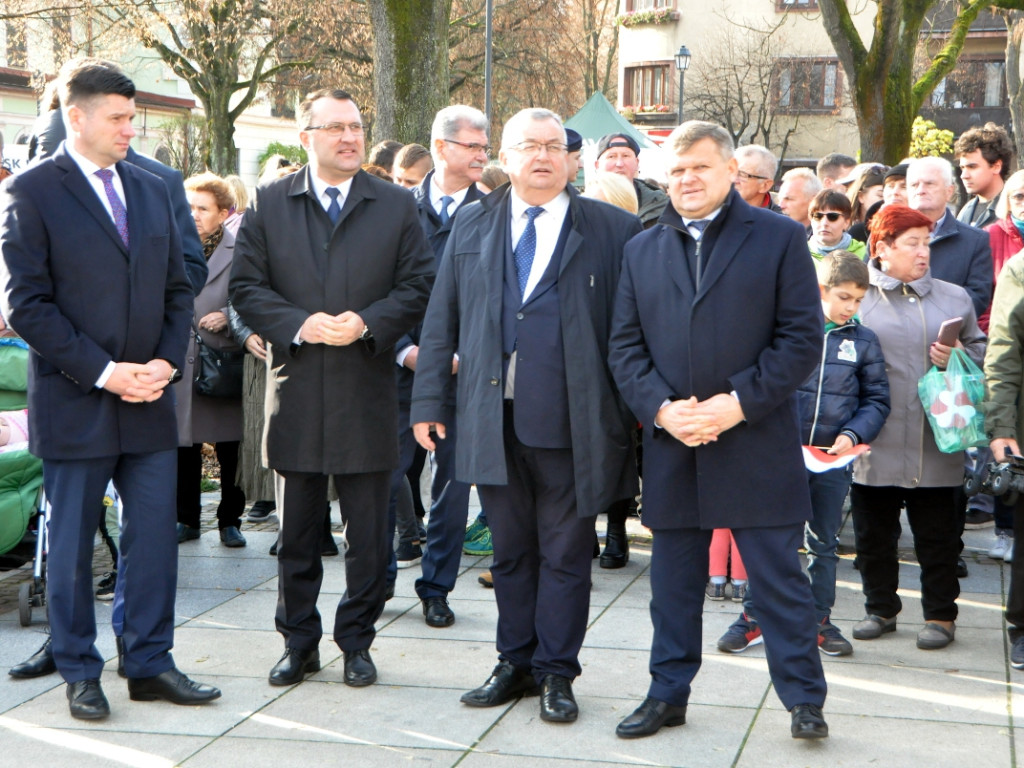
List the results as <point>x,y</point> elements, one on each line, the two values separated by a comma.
<point>717,321</point>
<point>93,279</point>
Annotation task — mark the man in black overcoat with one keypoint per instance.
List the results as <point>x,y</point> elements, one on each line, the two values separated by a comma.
<point>331,267</point>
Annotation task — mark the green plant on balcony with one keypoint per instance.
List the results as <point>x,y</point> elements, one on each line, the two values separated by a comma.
<point>650,16</point>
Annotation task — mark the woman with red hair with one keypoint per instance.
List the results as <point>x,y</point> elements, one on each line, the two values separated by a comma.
<point>905,306</point>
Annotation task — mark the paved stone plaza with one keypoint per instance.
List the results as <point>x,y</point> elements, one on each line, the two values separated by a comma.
<point>889,704</point>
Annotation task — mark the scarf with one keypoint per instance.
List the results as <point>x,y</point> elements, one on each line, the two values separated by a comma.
<point>818,247</point>
<point>1018,224</point>
<point>210,244</point>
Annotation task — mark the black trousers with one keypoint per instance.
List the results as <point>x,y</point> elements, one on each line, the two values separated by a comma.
<point>190,472</point>
<point>542,559</point>
<point>300,506</point>
<point>1015,597</point>
<point>935,524</point>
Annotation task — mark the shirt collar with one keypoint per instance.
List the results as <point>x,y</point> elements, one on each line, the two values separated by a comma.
<point>710,217</point>
<point>436,193</point>
<point>320,186</point>
<point>557,206</point>
<point>88,167</point>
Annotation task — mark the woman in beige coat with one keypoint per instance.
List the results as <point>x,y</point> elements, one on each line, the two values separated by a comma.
<point>905,306</point>
<point>202,419</point>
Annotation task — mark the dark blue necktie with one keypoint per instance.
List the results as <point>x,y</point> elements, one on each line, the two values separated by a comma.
<point>700,225</point>
<point>445,202</point>
<point>526,248</point>
<point>120,214</point>
<point>333,210</point>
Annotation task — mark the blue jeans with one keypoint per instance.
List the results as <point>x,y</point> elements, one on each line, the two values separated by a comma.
<point>828,491</point>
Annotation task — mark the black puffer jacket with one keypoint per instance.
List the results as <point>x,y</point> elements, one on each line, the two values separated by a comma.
<point>849,389</point>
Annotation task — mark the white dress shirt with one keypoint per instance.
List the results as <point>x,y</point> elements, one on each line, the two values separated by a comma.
<point>436,193</point>
<point>89,168</point>
<point>548,226</point>
<point>320,188</point>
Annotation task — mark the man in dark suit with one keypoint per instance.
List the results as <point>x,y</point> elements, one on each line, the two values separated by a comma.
<point>81,225</point>
<point>49,131</point>
<point>524,295</point>
<point>717,322</point>
<point>459,147</point>
<point>331,268</point>
<point>960,253</point>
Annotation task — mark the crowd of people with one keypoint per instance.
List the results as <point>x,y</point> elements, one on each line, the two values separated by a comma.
<point>367,314</point>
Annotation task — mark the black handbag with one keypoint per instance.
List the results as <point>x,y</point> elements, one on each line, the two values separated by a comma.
<point>218,374</point>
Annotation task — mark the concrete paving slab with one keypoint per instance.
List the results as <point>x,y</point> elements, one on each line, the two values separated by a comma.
<point>242,697</point>
<point>270,753</point>
<point>474,620</point>
<point>191,603</point>
<point>621,628</point>
<point>26,743</point>
<point>225,572</point>
<point>379,714</point>
<point>876,741</point>
<point>711,738</point>
<point>205,651</point>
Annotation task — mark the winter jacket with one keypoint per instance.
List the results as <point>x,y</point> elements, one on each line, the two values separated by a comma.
<point>1006,242</point>
<point>849,389</point>
<point>1004,359</point>
<point>906,317</point>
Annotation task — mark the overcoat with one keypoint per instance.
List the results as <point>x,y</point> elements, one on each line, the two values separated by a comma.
<point>755,328</point>
<point>465,314</point>
<point>331,410</point>
<point>209,419</point>
<point>81,299</point>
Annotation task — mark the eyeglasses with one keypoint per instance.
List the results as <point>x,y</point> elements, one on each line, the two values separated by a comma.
<point>830,215</point>
<point>1017,198</point>
<point>535,148</point>
<point>744,176</point>
<point>485,148</point>
<point>336,129</point>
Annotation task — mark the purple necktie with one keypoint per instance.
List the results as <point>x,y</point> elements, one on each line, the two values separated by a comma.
<point>120,214</point>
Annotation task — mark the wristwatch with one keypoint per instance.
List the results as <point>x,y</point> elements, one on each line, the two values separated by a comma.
<point>365,335</point>
<point>175,375</point>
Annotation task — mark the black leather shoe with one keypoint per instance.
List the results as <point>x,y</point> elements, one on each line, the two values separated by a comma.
<point>232,537</point>
<point>437,613</point>
<point>172,686</point>
<point>616,547</point>
<point>294,665</point>
<point>359,669</point>
<point>38,664</point>
<point>329,548</point>
<point>120,657</point>
<point>187,533</point>
<point>273,550</point>
<point>557,704</point>
<point>649,718</point>
<point>808,722</point>
<point>86,700</point>
<point>961,568</point>
<point>389,592</point>
<point>505,683</point>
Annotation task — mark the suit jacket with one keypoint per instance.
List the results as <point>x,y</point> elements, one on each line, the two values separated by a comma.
<point>961,254</point>
<point>753,327</point>
<point>331,410</point>
<point>209,419</point>
<point>81,299</point>
<point>437,235</point>
<point>49,131</point>
<point>464,315</point>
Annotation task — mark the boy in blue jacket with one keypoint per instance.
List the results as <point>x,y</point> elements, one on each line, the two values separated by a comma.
<point>844,402</point>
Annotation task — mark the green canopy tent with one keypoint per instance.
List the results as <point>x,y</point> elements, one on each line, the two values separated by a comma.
<point>598,118</point>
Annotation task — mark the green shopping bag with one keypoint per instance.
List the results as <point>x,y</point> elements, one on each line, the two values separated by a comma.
<point>952,401</point>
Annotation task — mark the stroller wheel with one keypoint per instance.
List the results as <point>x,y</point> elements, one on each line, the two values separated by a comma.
<point>25,604</point>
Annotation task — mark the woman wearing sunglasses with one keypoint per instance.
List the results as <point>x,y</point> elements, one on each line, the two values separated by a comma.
<point>830,218</point>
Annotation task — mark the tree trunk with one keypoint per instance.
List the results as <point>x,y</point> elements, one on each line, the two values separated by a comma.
<point>410,67</point>
<point>1014,35</point>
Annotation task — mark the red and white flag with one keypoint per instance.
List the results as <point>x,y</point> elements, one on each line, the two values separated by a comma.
<point>817,460</point>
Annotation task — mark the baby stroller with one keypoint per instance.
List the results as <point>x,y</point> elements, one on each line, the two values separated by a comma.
<point>21,477</point>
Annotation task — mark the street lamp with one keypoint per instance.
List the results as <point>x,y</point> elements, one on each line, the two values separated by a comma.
<point>682,64</point>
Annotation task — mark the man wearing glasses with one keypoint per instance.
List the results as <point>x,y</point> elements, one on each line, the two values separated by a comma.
<point>524,294</point>
<point>458,144</point>
<point>619,153</point>
<point>756,175</point>
<point>331,268</point>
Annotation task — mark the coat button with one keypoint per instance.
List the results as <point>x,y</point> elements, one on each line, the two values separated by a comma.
<point>912,299</point>
<point>519,316</point>
<point>494,382</point>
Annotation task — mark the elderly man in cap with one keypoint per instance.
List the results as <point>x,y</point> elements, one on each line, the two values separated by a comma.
<point>619,153</point>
